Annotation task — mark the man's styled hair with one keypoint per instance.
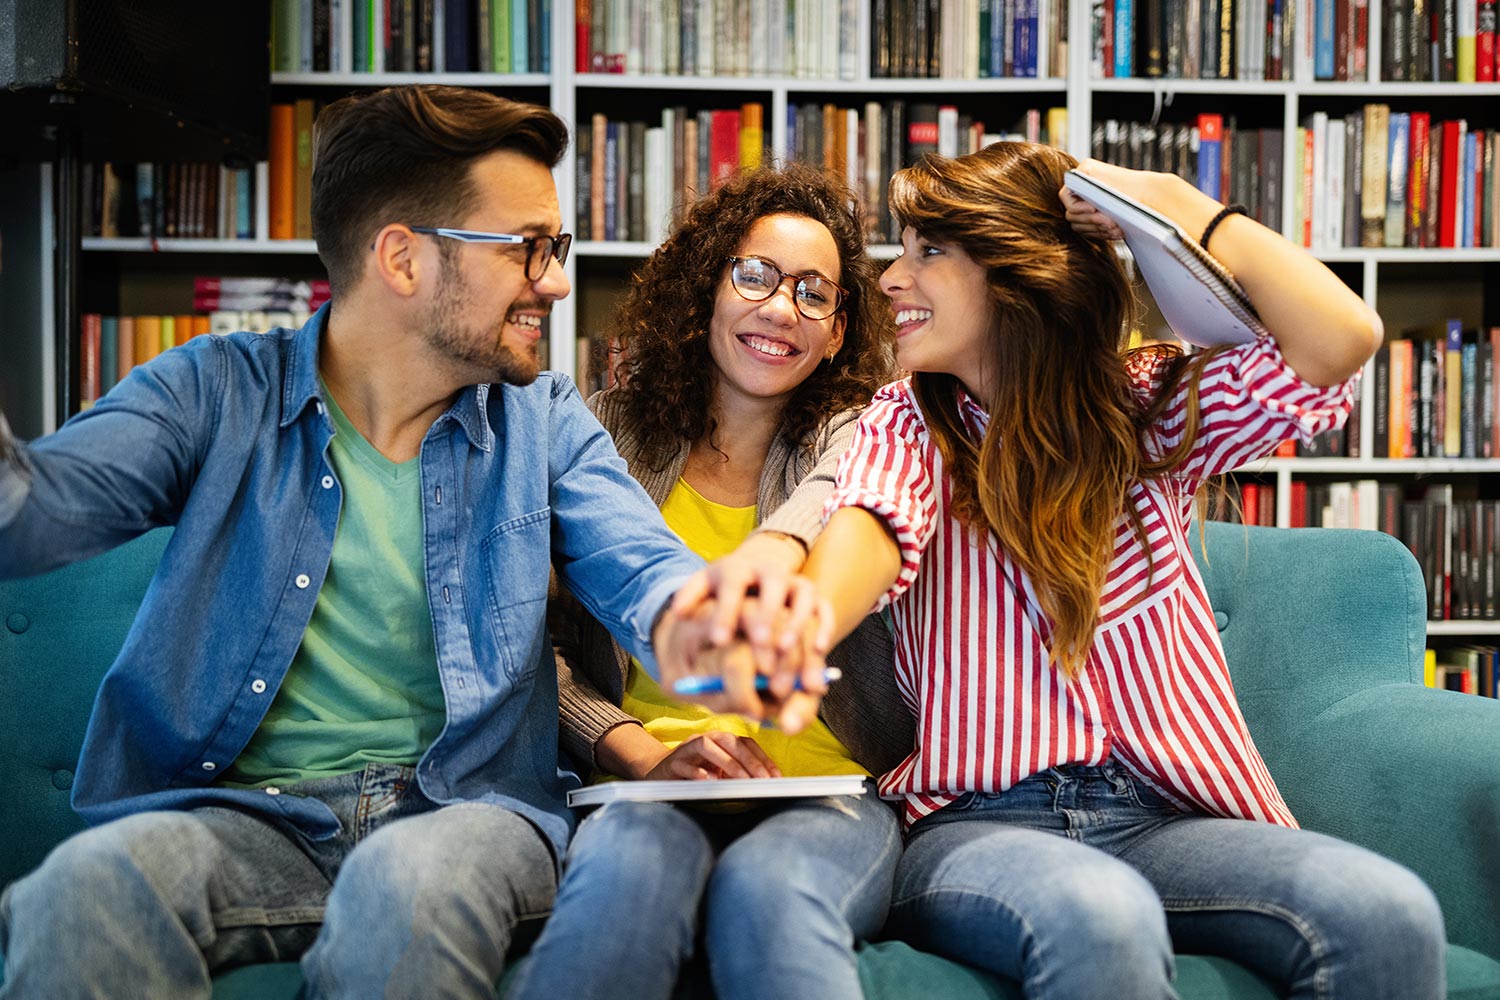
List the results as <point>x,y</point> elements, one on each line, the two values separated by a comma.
<point>403,154</point>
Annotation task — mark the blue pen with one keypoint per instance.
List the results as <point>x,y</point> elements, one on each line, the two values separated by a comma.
<point>714,684</point>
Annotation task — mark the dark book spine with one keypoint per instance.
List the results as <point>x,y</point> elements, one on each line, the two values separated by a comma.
<point>1381,442</point>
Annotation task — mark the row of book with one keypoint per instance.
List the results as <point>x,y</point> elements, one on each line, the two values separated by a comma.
<point>1438,40</point>
<point>411,36</point>
<point>969,39</point>
<point>1213,153</point>
<point>1467,669</point>
<point>1396,179</point>
<point>635,178</point>
<point>804,39</point>
<point>271,200</point>
<point>1211,39</point>
<point>183,200</point>
<point>1438,396</point>
<point>110,346</point>
<point>1454,541</point>
<point>1421,40</point>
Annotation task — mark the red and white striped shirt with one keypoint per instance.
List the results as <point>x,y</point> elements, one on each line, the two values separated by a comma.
<point>971,652</point>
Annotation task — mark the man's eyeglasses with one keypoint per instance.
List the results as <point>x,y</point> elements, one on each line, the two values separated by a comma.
<point>815,296</point>
<point>538,248</point>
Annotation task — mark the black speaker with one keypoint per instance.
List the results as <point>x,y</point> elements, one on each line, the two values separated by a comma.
<point>143,80</point>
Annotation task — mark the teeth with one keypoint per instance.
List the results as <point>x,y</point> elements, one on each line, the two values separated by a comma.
<point>524,319</point>
<point>764,346</point>
<point>912,315</point>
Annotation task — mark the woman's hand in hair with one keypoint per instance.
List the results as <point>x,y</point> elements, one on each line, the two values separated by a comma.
<point>1144,186</point>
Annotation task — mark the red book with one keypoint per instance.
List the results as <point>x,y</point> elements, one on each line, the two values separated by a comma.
<point>723,146</point>
<point>1107,44</point>
<point>1307,187</point>
<point>1416,182</point>
<point>1250,503</point>
<point>1449,186</point>
<point>1286,449</point>
<point>583,58</point>
<point>1299,504</point>
<point>1477,236</point>
<point>1484,43</point>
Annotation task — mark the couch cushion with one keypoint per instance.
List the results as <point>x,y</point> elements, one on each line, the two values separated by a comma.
<point>59,633</point>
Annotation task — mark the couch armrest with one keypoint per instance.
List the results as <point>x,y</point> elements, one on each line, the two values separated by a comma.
<point>1414,774</point>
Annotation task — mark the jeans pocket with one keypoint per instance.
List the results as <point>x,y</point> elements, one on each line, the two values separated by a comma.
<point>1143,796</point>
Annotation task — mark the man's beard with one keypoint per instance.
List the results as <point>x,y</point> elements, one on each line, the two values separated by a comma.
<point>487,357</point>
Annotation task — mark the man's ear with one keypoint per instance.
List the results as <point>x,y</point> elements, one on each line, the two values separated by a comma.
<point>397,259</point>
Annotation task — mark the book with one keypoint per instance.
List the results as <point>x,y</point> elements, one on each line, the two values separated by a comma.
<point>728,789</point>
<point>1199,299</point>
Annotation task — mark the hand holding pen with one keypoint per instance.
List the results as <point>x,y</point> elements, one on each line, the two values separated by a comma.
<point>785,687</point>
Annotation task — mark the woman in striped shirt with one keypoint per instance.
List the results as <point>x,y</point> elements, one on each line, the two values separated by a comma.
<point>1083,794</point>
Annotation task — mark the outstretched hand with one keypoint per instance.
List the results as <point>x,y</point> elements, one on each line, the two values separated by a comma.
<point>793,682</point>
<point>763,567</point>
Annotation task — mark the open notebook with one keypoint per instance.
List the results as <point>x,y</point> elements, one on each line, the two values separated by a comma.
<point>1199,299</point>
<point>708,791</point>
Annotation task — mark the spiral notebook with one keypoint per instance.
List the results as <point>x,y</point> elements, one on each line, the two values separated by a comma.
<point>731,789</point>
<point>1199,299</point>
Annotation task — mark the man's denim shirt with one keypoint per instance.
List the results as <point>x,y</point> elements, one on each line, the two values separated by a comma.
<point>226,439</point>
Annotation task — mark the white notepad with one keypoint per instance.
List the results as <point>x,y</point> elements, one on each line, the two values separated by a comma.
<point>724,789</point>
<point>1199,299</point>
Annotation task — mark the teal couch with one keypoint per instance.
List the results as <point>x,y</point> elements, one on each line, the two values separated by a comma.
<point>1324,632</point>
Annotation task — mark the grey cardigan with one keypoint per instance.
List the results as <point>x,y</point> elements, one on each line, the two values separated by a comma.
<point>864,709</point>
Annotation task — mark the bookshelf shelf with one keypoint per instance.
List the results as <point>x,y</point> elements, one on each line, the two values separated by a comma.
<point>393,79</point>
<point>1397,255</point>
<point>1394,88</point>
<point>147,245</point>
<point>1464,627</point>
<point>1188,85</point>
<point>613,248</point>
<point>1373,467</point>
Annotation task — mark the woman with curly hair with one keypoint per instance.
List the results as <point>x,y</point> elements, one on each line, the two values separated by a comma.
<point>751,339</point>
<point>1083,793</point>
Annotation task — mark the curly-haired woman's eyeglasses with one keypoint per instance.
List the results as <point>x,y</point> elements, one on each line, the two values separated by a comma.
<point>538,248</point>
<point>757,279</point>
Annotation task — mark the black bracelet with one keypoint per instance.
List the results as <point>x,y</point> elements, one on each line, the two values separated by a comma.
<point>1213,223</point>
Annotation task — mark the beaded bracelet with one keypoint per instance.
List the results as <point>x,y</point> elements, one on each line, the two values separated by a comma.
<point>1213,223</point>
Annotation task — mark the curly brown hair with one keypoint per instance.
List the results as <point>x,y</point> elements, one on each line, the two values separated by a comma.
<point>666,375</point>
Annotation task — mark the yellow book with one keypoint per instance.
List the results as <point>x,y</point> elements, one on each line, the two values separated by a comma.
<point>752,135</point>
<point>147,338</point>
<point>1429,668</point>
<point>168,333</point>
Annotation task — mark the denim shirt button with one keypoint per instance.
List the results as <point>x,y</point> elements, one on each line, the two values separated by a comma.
<point>272,790</point>
<point>328,482</point>
<point>302,581</point>
<point>209,765</point>
<point>258,686</point>
<point>62,780</point>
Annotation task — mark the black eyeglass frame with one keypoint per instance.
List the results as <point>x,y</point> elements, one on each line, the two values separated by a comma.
<point>771,289</point>
<point>561,243</point>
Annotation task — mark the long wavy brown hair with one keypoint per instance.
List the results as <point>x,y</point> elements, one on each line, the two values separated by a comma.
<point>666,375</point>
<point>1067,436</point>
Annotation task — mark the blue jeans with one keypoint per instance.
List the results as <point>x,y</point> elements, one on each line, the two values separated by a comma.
<point>783,892</point>
<point>408,900</point>
<point>1079,881</point>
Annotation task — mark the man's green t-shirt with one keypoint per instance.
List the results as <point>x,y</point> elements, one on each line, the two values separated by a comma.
<point>364,686</point>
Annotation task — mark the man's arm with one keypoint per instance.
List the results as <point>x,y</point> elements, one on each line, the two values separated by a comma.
<point>113,472</point>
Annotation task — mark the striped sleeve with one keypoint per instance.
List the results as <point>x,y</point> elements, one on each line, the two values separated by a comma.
<point>886,473</point>
<point>1250,400</point>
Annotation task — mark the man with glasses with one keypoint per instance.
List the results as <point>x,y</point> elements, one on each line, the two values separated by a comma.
<point>332,731</point>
